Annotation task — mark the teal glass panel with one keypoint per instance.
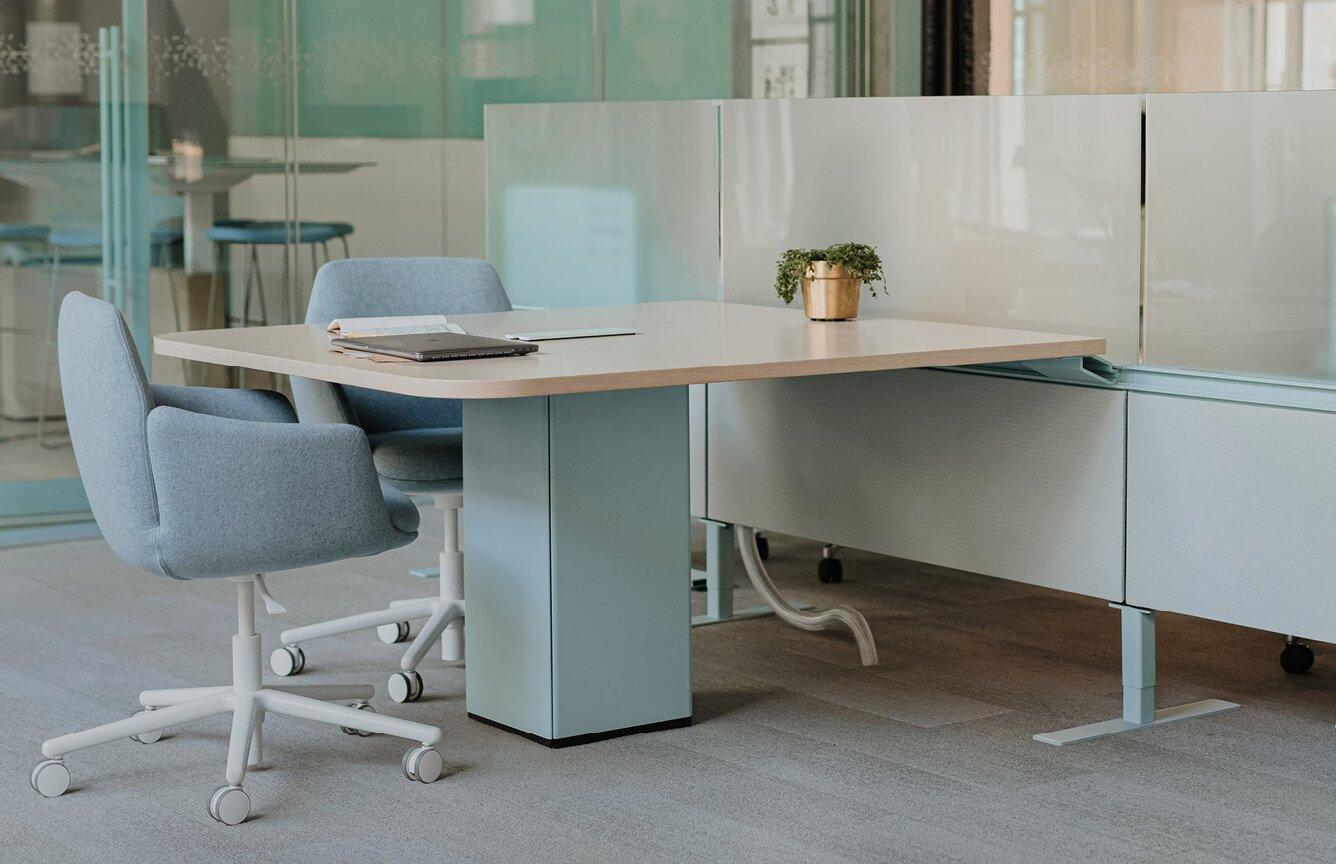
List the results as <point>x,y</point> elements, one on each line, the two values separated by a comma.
<point>679,50</point>
<point>508,51</point>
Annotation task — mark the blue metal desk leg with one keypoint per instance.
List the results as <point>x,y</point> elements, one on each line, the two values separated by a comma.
<point>1138,688</point>
<point>576,538</point>
<point>719,582</point>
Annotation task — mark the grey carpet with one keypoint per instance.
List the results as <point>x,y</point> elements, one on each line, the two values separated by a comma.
<point>797,753</point>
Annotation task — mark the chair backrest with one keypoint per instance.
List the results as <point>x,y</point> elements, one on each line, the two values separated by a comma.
<point>107,401</point>
<point>366,287</point>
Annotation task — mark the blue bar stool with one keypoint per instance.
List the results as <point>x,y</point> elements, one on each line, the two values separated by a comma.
<point>16,241</point>
<point>84,246</point>
<point>254,234</point>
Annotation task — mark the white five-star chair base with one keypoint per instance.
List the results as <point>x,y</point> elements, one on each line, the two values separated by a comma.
<point>444,614</point>
<point>247,700</point>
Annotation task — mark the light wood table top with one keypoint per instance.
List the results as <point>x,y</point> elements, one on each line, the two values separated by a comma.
<point>689,342</point>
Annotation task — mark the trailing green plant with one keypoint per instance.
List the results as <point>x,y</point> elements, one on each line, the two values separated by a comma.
<point>860,260</point>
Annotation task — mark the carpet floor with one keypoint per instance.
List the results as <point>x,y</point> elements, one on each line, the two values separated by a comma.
<point>796,754</point>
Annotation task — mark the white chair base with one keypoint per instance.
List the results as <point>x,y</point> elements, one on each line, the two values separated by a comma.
<point>444,614</point>
<point>247,700</point>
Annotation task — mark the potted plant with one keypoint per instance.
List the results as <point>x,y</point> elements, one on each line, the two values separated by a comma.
<point>831,279</point>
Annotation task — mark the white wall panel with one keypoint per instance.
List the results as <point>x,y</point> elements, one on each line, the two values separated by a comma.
<point>1016,479</point>
<point>1231,510</point>
<point>590,204</point>
<point>1007,211</point>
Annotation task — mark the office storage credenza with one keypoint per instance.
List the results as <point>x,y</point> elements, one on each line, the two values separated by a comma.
<point>576,470</point>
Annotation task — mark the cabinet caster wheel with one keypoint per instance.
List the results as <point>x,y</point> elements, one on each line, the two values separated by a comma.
<point>50,778</point>
<point>287,660</point>
<point>762,547</point>
<point>229,805</point>
<point>405,686</point>
<point>147,737</point>
<point>423,764</point>
<point>391,634</point>
<point>360,706</point>
<point>830,570</point>
<point>1297,658</point>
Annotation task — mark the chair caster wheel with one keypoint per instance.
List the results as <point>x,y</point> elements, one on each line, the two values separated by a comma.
<point>229,805</point>
<point>393,633</point>
<point>1297,658</point>
<point>423,764</point>
<point>147,737</point>
<point>287,660</point>
<point>360,706</point>
<point>50,778</point>
<point>830,570</point>
<point>405,686</point>
<point>762,547</point>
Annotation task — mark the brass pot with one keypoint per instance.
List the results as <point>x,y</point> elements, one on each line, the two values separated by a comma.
<point>830,293</point>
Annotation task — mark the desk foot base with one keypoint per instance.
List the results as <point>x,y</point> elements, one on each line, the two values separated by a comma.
<point>1091,731</point>
<point>740,614</point>
<point>587,738</point>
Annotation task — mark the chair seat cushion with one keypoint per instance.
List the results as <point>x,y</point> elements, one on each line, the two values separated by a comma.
<point>20,232</point>
<point>270,233</point>
<point>404,514</point>
<point>420,460</point>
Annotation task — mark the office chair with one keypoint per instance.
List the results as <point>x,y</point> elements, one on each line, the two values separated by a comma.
<point>416,443</point>
<point>194,482</point>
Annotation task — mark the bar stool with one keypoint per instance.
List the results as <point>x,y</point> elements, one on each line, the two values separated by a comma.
<point>86,243</point>
<point>253,234</point>
<point>15,238</point>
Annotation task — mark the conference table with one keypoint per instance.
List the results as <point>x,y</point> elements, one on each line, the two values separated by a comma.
<point>576,484</point>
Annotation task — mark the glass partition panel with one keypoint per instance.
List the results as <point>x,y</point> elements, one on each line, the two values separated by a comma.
<point>1013,211</point>
<point>604,202</point>
<point>53,86</point>
<point>1240,234</point>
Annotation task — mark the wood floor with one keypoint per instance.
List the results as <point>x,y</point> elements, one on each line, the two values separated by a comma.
<point>797,753</point>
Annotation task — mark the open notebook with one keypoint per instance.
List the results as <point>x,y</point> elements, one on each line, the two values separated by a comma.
<point>391,325</point>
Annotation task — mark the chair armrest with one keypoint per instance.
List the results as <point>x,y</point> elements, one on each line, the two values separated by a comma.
<point>263,405</point>
<point>238,497</point>
<point>322,402</point>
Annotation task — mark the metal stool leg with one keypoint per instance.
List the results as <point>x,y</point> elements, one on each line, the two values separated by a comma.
<point>343,238</point>
<point>46,348</point>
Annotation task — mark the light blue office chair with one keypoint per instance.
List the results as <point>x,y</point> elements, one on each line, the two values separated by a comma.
<point>192,483</point>
<point>416,443</point>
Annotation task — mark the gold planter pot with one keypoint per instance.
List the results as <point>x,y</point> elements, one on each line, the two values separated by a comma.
<point>830,293</point>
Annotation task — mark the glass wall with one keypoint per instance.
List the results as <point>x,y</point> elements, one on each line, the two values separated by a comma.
<point>51,241</point>
<point>1154,46</point>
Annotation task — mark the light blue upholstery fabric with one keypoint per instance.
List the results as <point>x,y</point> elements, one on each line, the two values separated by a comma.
<point>363,287</point>
<point>265,406</point>
<point>213,482</point>
<point>420,460</point>
<point>239,496</point>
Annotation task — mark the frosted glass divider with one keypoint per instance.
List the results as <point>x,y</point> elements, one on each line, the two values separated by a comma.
<point>600,203</point>
<point>1239,235</point>
<point>1007,211</point>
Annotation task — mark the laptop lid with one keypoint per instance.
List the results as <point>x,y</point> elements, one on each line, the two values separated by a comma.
<point>436,346</point>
